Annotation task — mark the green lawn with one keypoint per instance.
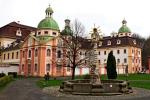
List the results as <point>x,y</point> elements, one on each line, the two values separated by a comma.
<point>130,77</point>
<point>140,84</point>
<point>136,80</point>
<point>43,83</point>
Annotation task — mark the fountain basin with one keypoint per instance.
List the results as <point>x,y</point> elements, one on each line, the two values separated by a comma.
<point>86,87</point>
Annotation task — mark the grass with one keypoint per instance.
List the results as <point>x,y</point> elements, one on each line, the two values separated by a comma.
<point>130,77</point>
<point>43,83</point>
<point>140,84</point>
<point>136,80</point>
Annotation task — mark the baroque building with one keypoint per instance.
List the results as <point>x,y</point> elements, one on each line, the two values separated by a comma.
<point>37,51</point>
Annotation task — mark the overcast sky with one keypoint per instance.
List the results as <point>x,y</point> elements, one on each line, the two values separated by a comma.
<point>108,14</point>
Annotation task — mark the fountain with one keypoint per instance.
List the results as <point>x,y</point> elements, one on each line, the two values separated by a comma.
<point>95,86</point>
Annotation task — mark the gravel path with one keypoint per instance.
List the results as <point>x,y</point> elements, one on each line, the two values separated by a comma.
<point>138,94</point>
<point>26,89</point>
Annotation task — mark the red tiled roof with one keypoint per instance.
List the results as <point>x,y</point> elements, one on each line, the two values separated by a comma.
<point>124,41</point>
<point>10,29</point>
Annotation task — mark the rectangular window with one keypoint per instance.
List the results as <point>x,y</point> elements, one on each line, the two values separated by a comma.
<point>99,53</point>
<point>125,51</point>
<point>58,68</point>
<point>39,33</point>
<point>54,33</point>
<point>45,32</point>
<point>4,56</point>
<point>118,51</point>
<point>17,54</point>
<point>104,52</point>
<point>99,61</point>
<point>118,60</point>
<point>35,68</point>
<point>125,60</point>
<point>47,67</point>
<point>12,55</point>
<point>8,56</point>
<point>29,53</point>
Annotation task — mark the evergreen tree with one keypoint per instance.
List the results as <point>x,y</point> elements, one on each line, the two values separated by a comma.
<point>111,66</point>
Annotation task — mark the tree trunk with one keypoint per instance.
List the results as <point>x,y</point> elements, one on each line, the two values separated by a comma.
<point>73,73</point>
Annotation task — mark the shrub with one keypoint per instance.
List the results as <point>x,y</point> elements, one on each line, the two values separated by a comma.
<point>2,74</point>
<point>4,80</point>
<point>111,66</point>
<point>14,74</point>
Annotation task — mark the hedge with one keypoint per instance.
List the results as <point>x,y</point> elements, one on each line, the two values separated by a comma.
<point>6,79</point>
<point>14,74</point>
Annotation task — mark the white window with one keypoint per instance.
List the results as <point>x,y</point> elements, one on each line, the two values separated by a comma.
<point>134,41</point>
<point>18,32</point>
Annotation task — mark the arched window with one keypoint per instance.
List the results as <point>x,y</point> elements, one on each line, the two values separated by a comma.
<point>29,54</point>
<point>58,54</point>
<point>36,52</point>
<point>48,52</point>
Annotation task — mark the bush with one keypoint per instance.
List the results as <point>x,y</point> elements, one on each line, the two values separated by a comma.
<point>2,74</point>
<point>4,80</point>
<point>14,74</point>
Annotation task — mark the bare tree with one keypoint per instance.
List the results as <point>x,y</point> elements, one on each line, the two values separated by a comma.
<point>76,46</point>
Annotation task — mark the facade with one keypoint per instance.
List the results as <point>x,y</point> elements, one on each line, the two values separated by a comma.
<point>37,51</point>
<point>126,49</point>
<point>11,36</point>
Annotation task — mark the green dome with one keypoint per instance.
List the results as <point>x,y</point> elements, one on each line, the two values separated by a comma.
<point>48,23</point>
<point>124,29</point>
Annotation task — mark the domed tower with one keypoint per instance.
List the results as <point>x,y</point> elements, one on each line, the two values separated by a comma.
<point>48,27</point>
<point>124,30</point>
<point>67,30</point>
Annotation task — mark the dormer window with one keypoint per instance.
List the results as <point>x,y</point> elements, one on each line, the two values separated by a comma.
<point>100,44</point>
<point>134,41</point>
<point>18,32</point>
<point>109,42</point>
<point>118,41</point>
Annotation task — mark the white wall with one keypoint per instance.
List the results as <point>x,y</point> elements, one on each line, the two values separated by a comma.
<point>9,69</point>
